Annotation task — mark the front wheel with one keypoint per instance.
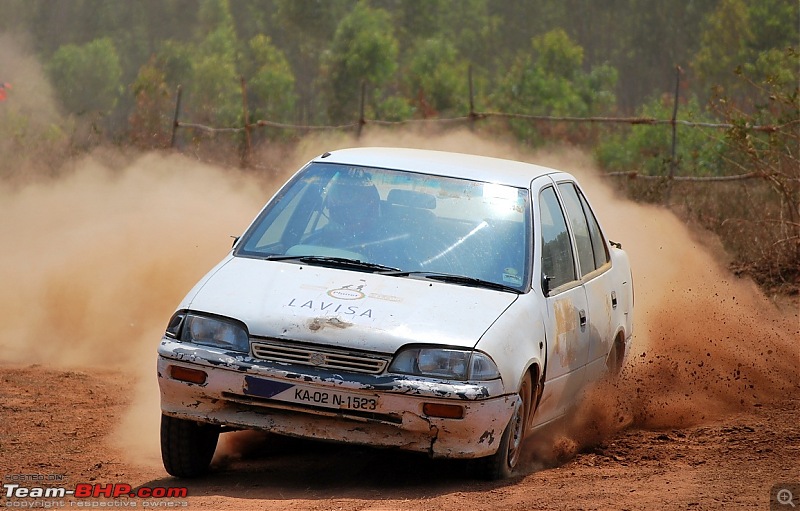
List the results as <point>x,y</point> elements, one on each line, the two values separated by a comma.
<point>187,446</point>
<point>501,464</point>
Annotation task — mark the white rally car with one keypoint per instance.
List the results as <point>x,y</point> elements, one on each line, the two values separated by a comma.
<point>429,301</point>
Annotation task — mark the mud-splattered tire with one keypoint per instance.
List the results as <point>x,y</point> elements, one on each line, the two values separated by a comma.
<point>187,446</point>
<point>501,464</point>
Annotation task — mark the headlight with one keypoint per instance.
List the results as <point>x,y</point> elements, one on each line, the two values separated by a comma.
<point>448,363</point>
<point>208,331</point>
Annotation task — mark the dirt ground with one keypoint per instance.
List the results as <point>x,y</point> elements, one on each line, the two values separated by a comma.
<point>61,422</point>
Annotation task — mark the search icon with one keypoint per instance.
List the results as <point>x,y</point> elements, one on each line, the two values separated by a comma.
<point>785,497</point>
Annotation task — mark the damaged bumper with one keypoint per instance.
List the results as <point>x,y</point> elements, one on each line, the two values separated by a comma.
<point>378,410</point>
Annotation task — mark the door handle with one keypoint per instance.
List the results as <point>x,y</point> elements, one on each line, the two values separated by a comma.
<point>582,315</point>
<point>613,299</point>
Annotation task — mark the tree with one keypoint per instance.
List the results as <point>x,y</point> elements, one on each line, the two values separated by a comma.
<point>363,49</point>
<point>646,149</point>
<point>271,82</point>
<point>149,124</point>
<point>304,29</point>
<point>724,42</point>
<point>747,38</point>
<point>549,80</point>
<point>87,78</point>
<point>437,77</point>
<point>214,88</point>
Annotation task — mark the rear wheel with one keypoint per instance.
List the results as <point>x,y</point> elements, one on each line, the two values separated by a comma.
<point>501,464</point>
<point>187,446</point>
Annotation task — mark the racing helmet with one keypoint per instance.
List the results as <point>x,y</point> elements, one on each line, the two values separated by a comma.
<point>352,201</point>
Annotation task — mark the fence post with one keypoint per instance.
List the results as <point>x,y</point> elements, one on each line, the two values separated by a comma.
<point>471,100</point>
<point>361,121</point>
<point>175,123</point>
<point>246,149</point>
<point>673,164</point>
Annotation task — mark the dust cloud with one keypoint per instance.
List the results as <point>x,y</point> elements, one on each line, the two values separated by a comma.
<point>706,343</point>
<point>95,261</point>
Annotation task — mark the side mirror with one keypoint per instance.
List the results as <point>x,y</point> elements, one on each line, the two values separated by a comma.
<point>546,284</point>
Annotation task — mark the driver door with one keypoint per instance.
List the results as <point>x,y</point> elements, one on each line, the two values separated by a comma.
<point>567,332</point>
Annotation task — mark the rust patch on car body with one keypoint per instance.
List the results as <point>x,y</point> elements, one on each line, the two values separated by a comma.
<point>317,324</point>
<point>487,436</point>
<point>566,331</point>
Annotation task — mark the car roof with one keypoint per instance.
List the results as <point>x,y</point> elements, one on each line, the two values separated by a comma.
<point>441,163</point>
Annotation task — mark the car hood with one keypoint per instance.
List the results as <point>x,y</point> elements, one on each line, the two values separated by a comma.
<point>344,308</point>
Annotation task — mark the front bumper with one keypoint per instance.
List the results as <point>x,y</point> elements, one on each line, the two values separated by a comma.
<point>227,397</point>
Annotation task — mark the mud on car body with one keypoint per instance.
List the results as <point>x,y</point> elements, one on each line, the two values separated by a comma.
<point>422,300</point>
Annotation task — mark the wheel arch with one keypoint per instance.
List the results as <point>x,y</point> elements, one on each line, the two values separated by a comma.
<point>616,355</point>
<point>536,373</point>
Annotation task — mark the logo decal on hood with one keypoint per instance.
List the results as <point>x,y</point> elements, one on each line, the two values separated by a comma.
<point>328,307</point>
<point>349,292</point>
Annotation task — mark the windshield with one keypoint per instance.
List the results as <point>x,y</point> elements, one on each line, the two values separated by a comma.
<point>402,220</point>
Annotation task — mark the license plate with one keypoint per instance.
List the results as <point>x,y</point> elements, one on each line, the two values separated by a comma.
<point>308,395</point>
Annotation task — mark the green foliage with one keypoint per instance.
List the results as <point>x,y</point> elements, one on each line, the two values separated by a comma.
<point>549,80</point>
<point>557,55</point>
<point>473,30</point>
<point>271,84</point>
<point>363,49</point>
<point>750,38</point>
<point>520,63</point>
<point>313,19</point>
<point>25,138</point>
<point>725,38</point>
<point>437,78</point>
<point>176,60</point>
<point>394,109</point>
<point>150,123</point>
<point>214,16</point>
<point>773,23</point>
<point>87,77</point>
<point>774,152</point>
<point>214,89</point>
<point>648,149</point>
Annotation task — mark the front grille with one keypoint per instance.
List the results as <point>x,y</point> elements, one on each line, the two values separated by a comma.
<point>322,358</point>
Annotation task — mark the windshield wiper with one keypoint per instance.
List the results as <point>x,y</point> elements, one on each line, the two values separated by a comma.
<point>453,279</point>
<point>333,262</point>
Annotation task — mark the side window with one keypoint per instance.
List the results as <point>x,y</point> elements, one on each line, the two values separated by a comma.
<point>558,261</point>
<point>599,244</point>
<point>580,229</point>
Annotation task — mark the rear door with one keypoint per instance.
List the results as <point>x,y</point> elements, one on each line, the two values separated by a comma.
<point>594,265</point>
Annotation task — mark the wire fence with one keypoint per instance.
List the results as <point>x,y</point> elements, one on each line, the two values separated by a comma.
<point>474,117</point>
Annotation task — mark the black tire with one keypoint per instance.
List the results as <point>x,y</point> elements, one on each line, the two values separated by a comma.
<point>187,446</point>
<point>501,464</point>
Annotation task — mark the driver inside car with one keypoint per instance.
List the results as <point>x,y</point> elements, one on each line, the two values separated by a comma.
<point>353,210</point>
